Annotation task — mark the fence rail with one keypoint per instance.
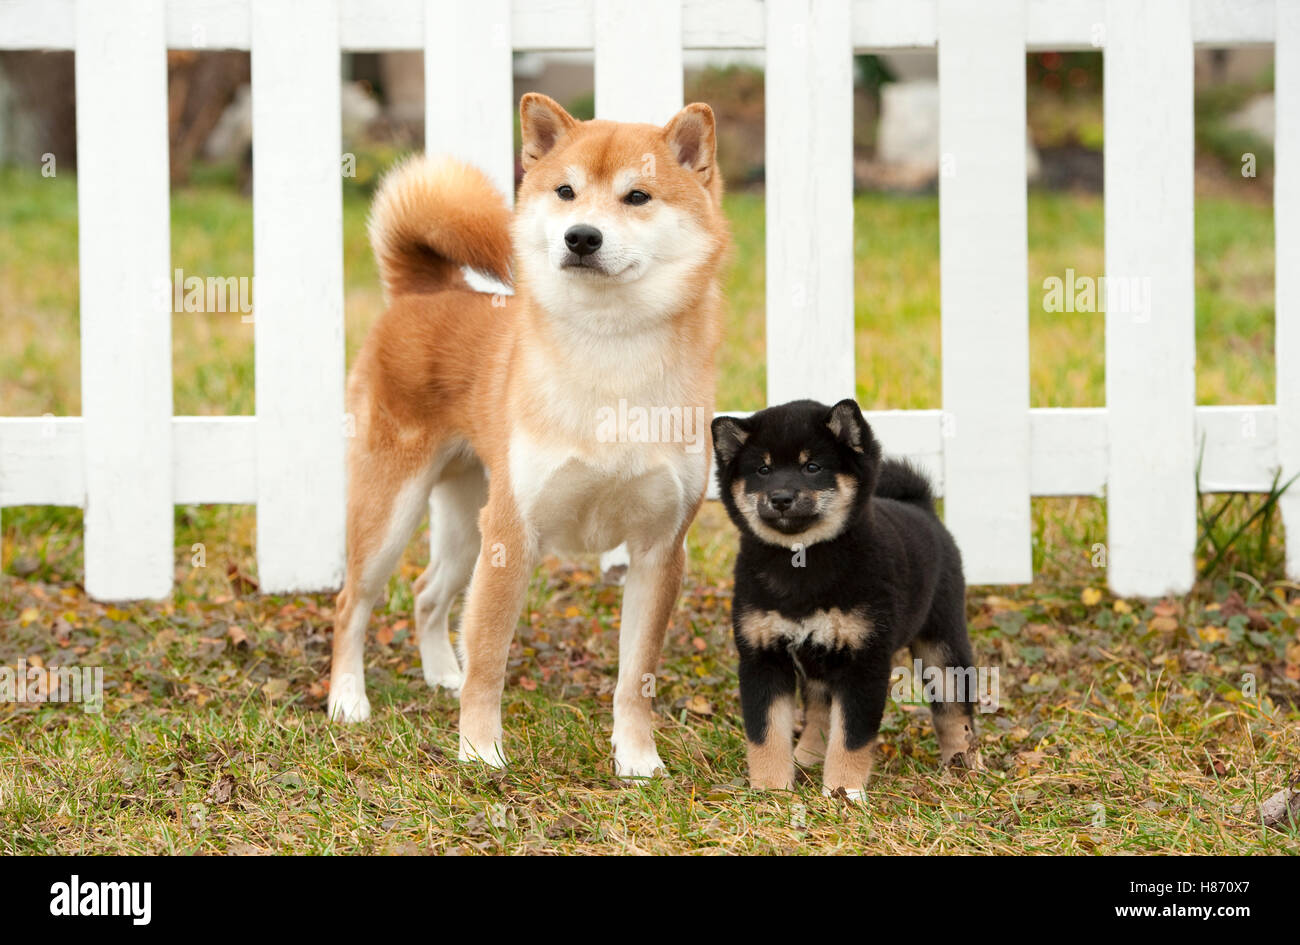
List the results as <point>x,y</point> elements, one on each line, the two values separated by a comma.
<point>127,460</point>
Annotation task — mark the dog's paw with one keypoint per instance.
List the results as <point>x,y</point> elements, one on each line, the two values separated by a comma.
<point>442,679</point>
<point>807,757</point>
<point>968,760</point>
<point>630,765</point>
<point>348,702</point>
<point>853,795</point>
<point>356,709</point>
<point>492,756</point>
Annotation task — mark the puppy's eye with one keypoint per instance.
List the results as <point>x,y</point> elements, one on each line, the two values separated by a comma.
<point>565,192</point>
<point>764,470</point>
<point>811,468</point>
<point>637,197</point>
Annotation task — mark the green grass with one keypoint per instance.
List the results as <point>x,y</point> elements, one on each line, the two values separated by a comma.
<point>1124,726</point>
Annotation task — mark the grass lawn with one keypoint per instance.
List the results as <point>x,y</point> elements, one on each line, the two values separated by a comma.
<point>1124,726</point>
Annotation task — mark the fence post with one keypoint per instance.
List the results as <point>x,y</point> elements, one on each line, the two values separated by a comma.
<point>1150,316</point>
<point>984,276</point>
<point>125,252</point>
<point>298,296</point>
<point>1286,222</point>
<point>469,98</point>
<point>638,70</point>
<point>809,83</point>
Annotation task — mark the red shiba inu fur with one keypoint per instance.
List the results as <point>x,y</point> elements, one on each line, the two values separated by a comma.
<point>488,408</point>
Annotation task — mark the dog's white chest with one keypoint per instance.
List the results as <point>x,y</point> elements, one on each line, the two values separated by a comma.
<point>594,499</point>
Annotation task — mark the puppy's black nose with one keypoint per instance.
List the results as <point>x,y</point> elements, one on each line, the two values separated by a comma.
<point>582,239</point>
<point>781,499</point>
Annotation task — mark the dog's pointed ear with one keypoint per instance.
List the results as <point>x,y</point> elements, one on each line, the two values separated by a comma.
<point>729,435</point>
<point>847,425</point>
<point>542,123</point>
<point>692,137</point>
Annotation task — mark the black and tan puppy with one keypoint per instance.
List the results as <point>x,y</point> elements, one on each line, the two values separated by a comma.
<point>843,561</point>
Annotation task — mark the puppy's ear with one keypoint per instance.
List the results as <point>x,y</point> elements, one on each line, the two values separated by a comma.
<point>542,123</point>
<point>729,435</point>
<point>847,425</point>
<point>692,137</point>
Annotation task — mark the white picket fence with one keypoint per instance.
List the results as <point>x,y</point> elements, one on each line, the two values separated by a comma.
<point>127,460</point>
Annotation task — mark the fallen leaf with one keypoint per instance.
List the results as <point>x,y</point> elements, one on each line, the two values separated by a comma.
<point>699,705</point>
<point>1091,596</point>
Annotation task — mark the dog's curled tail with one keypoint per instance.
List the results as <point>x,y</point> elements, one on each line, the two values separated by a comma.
<point>430,217</point>
<point>898,479</point>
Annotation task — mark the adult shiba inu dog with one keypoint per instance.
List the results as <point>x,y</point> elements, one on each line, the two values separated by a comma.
<point>843,561</point>
<point>495,409</point>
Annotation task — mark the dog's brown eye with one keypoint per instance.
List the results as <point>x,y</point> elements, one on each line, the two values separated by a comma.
<point>764,470</point>
<point>811,468</point>
<point>637,197</point>
<point>564,192</point>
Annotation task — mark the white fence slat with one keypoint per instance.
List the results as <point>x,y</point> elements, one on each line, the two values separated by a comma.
<point>469,99</point>
<point>1286,223</point>
<point>1150,348</point>
<point>298,294</point>
<point>983,246</point>
<point>638,69</point>
<point>810,350</point>
<point>124,252</point>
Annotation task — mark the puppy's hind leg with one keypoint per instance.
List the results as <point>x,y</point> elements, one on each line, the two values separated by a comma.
<point>944,647</point>
<point>383,512</point>
<point>816,723</point>
<point>454,546</point>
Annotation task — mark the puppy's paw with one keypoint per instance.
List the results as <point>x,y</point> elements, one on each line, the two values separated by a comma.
<point>348,702</point>
<point>968,760</point>
<point>806,757</point>
<point>852,795</point>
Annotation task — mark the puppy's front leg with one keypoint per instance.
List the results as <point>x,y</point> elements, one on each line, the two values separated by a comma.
<point>857,705</point>
<point>654,577</point>
<point>767,703</point>
<point>492,606</point>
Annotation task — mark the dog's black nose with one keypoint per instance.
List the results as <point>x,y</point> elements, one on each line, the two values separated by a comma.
<point>582,239</point>
<point>781,499</point>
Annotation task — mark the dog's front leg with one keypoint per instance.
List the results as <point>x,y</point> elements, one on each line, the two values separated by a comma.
<point>654,577</point>
<point>492,606</point>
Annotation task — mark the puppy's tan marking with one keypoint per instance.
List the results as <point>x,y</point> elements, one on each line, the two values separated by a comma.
<point>846,768</point>
<point>833,629</point>
<point>811,749</point>
<point>771,762</point>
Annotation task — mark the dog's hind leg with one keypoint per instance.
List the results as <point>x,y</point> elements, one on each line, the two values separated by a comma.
<point>816,723</point>
<point>454,546</point>
<point>383,512</point>
<point>948,668</point>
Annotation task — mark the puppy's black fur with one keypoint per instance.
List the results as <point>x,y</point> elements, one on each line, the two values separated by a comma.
<point>828,527</point>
